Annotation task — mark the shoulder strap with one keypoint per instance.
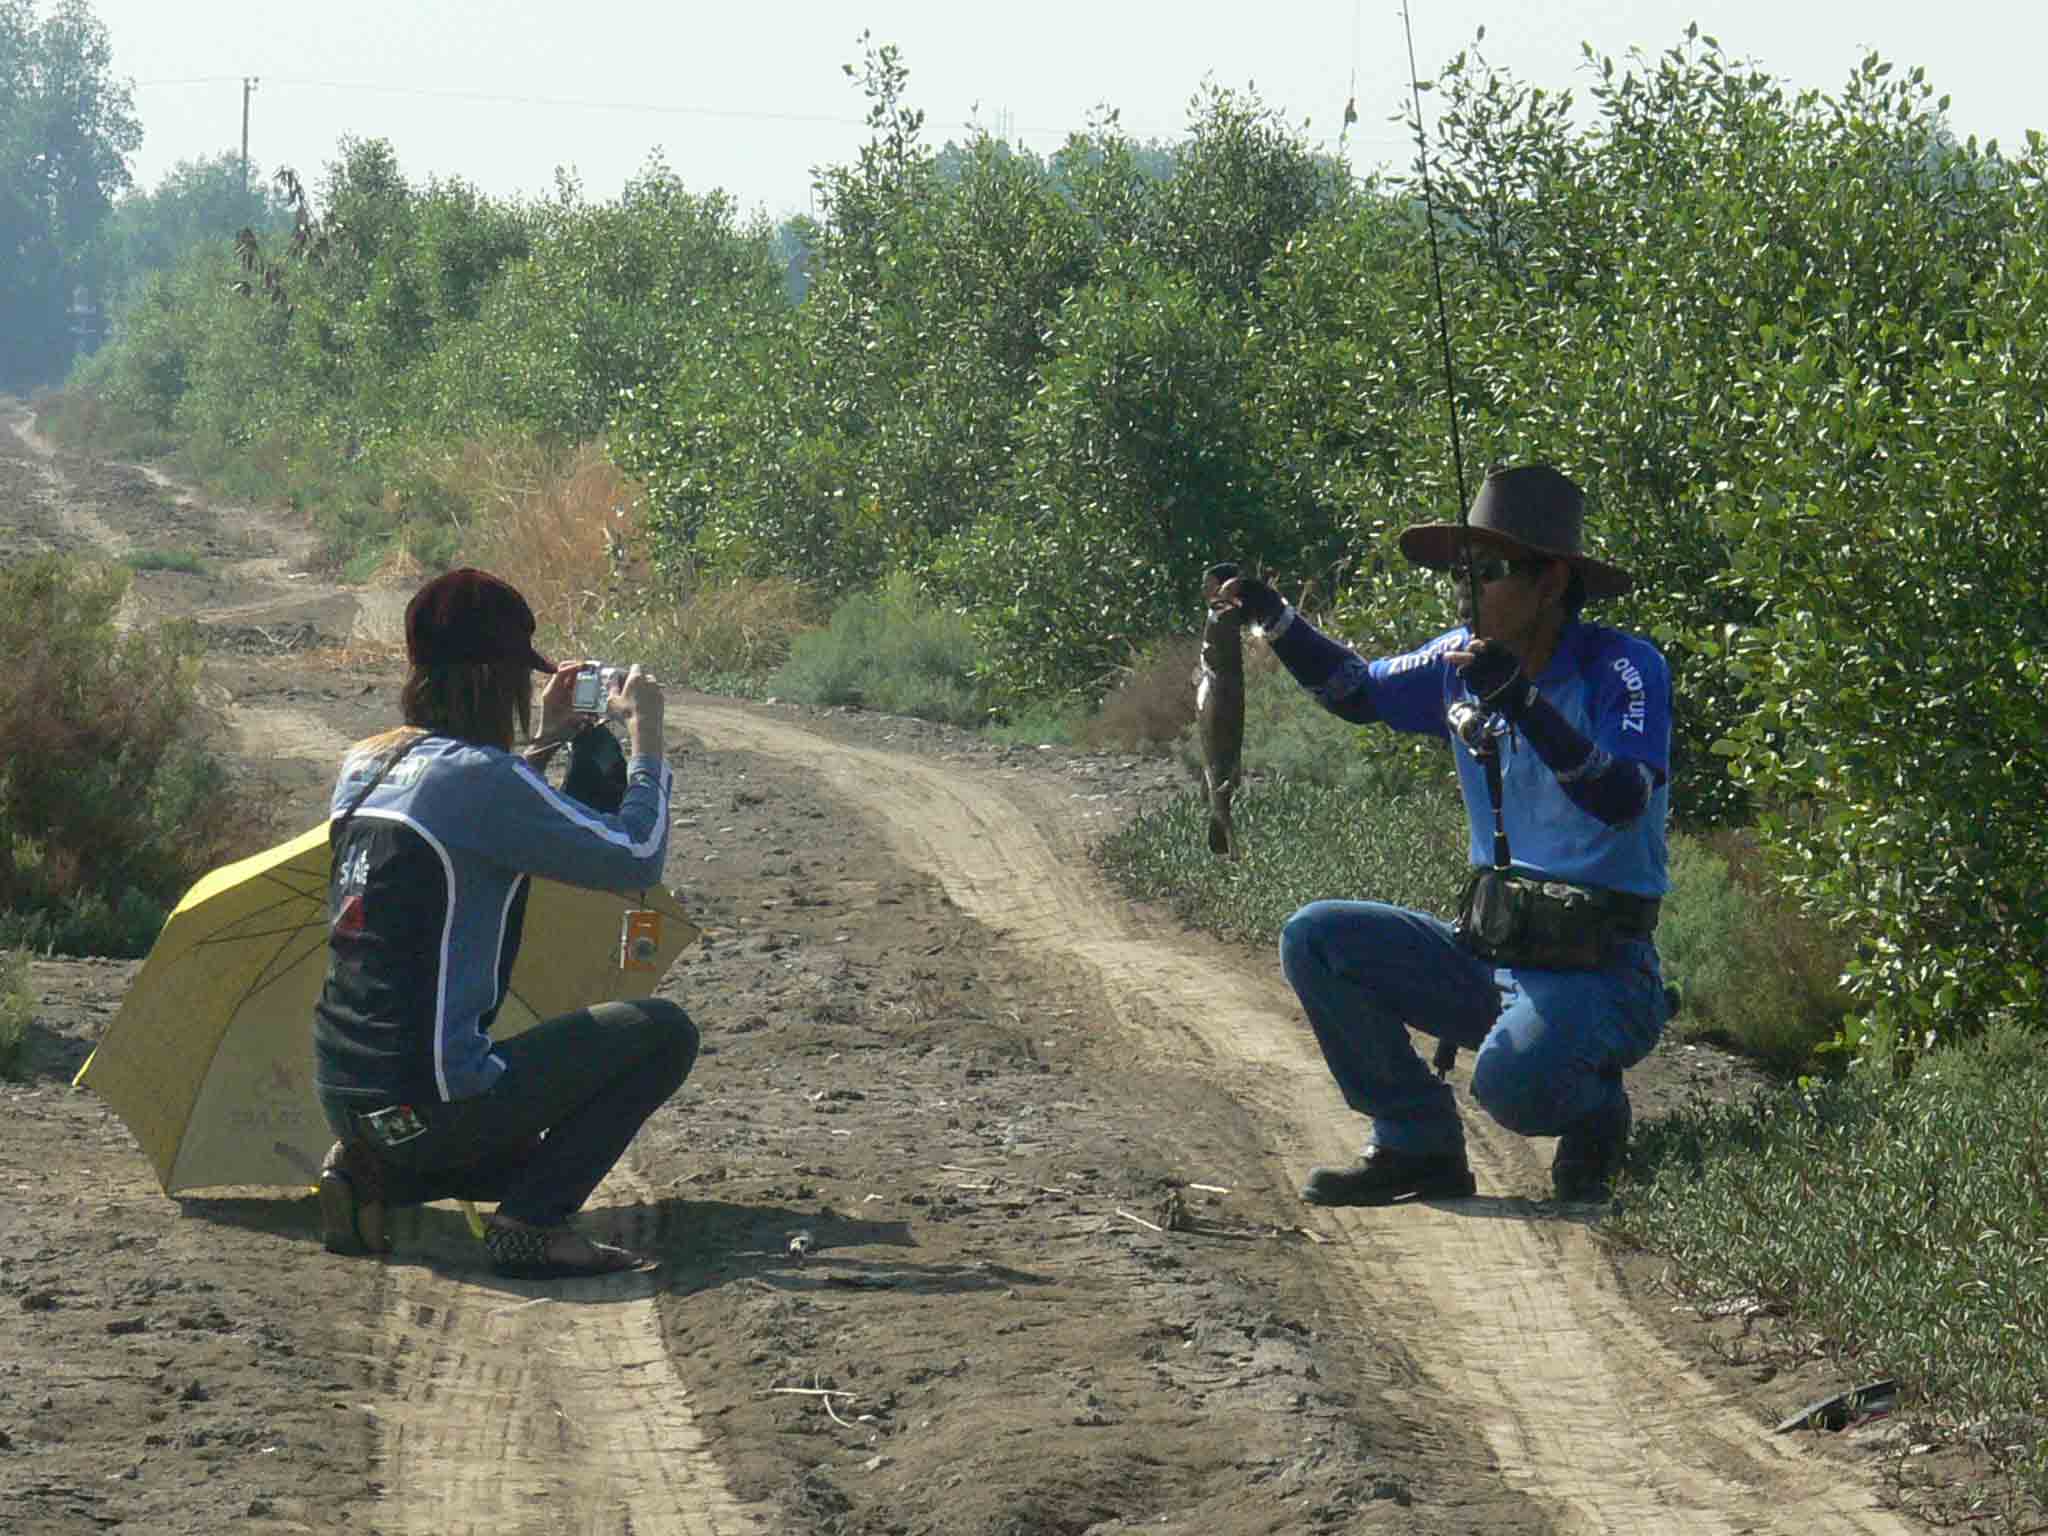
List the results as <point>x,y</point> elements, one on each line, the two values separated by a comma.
<point>339,825</point>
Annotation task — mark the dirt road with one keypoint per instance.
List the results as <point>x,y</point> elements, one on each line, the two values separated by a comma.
<point>976,1216</point>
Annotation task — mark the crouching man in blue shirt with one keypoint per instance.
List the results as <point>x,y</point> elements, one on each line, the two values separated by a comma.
<point>1550,971</point>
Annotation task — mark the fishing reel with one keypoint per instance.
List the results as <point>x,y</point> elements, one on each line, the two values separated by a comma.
<point>1475,725</point>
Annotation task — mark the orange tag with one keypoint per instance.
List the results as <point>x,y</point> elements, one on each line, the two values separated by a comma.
<point>639,939</point>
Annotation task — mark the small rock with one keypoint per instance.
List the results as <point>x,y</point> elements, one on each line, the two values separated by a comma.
<point>122,1325</point>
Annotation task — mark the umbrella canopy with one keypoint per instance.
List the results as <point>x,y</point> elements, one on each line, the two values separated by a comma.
<point>210,1060</point>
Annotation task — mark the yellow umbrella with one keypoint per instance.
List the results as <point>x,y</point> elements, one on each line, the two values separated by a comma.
<point>209,1061</point>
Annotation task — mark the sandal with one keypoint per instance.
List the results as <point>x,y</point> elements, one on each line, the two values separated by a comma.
<point>535,1253</point>
<point>352,1201</point>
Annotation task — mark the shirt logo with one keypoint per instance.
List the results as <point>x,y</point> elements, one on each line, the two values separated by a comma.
<point>1633,717</point>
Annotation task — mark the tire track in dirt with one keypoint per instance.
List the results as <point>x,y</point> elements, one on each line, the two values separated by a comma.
<point>1510,1311</point>
<point>76,519</point>
<point>544,1407</point>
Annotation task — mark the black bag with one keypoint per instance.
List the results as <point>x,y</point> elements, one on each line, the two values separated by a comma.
<point>597,769</point>
<point>1512,919</point>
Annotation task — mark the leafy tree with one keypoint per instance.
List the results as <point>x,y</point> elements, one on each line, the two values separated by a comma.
<point>203,200</point>
<point>606,301</point>
<point>66,128</point>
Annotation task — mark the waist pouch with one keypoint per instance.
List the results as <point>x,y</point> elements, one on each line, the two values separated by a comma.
<point>1515,919</point>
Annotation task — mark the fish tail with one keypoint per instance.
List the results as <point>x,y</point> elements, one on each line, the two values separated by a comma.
<point>1221,841</point>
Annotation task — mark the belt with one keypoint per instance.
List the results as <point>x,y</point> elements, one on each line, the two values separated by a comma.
<point>1632,917</point>
<point>1625,915</point>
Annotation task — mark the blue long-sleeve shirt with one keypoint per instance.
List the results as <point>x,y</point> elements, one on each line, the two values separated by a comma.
<point>427,902</point>
<point>1609,690</point>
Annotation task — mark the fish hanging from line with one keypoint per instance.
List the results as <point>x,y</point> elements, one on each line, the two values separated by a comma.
<point>1219,707</point>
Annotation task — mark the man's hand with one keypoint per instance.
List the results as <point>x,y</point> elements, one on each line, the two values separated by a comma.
<point>1493,673</point>
<point>1259,602</point>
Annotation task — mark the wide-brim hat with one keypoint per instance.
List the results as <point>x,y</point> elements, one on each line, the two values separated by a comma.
<point>1531,509</point>
<point>470,616</point>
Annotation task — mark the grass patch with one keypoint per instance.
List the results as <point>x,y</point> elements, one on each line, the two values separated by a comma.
<point>892,652</point>
<point>82,422</point>
<point>1035,725</point>
<point>1300,842</point>
<point>1757,976</point>
<point>1905,1221</point>
<point>183,560</point>
<point>17,1007</point>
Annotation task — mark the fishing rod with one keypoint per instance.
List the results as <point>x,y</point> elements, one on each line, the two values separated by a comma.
<point>1482,726</point>
<point>1443,319</point>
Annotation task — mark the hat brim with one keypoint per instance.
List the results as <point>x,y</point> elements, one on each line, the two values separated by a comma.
<point>1440,546</point>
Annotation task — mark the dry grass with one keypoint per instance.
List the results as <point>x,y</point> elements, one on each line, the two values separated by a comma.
<point>1153,702</point>
<point>557,529</point>
<point>566,531</point>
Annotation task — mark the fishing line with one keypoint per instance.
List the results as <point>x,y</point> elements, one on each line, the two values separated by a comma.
<point>1443,318</point>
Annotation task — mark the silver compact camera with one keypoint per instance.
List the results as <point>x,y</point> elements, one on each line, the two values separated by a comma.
<point>593,687</point>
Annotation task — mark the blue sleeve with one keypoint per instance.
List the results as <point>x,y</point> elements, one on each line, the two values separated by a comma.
<point>535,828</point>
<point>1404,692</point>
<point>1613,769</point>
<point>1631,705</point>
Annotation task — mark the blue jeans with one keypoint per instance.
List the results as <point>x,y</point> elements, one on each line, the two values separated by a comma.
<point>1552,1044</point>
<point>574,1091</point>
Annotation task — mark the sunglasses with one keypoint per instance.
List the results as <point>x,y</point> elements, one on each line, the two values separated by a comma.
<point>1486,572</point>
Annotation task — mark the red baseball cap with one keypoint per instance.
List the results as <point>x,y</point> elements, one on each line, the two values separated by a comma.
<point>470,616</point>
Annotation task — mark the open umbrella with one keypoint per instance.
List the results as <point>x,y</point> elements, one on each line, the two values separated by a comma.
<point>209,1061</point>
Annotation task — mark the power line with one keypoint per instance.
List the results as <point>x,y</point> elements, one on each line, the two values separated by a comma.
<point>736,114</point>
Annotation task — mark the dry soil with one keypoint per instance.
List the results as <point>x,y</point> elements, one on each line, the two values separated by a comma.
<point>978,1214</point>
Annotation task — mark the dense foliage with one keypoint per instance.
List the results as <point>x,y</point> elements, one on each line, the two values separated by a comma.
<point>110,805</point>
<point>208,200</point>
<point>1787,341</point>
<point>66,128</point>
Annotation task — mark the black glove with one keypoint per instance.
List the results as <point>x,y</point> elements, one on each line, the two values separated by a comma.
<point>1495,677</point>
<point>1257,601</point>
<point>597,769</point>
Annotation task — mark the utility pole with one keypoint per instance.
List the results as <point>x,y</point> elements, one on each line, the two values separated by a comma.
<point>248,89</point>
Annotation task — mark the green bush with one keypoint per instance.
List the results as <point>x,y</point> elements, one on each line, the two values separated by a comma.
<point>110,805</point>
<point>891,652</point>
<point>182,560</point>
<point>17,1009</point>
<point>1756,973</point>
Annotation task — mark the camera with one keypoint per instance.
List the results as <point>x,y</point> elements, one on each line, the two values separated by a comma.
<point>593,685</point>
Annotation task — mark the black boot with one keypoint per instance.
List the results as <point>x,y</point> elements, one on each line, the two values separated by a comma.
<point>1589,1155</point>
<point>1382,1177</point>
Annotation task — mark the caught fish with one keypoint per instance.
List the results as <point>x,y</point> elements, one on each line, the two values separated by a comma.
<point>1219,707</point>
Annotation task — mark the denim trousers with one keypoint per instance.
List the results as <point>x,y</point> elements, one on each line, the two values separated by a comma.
<point>575,1090</point>
<point>1552,1044</point>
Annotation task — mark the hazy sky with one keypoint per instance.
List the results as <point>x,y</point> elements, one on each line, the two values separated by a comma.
<point>750,97</point>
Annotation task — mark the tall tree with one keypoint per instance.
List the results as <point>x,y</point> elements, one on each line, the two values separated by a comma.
<point>66,129</point>
<point>197,201</point>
